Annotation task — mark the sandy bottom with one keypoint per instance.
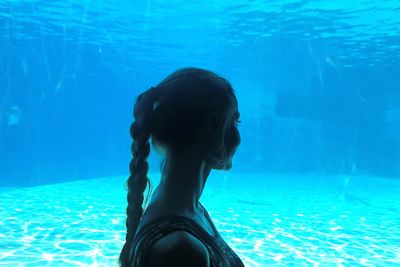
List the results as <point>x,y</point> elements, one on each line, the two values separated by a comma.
<point>268,220</point>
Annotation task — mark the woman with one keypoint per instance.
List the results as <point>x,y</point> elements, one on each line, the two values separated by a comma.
<point>192,117</point>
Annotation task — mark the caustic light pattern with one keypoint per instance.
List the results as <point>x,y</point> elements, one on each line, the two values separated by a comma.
<point>286,221</point>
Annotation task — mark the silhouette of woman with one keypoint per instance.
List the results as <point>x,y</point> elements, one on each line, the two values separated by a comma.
<point>192,117</point>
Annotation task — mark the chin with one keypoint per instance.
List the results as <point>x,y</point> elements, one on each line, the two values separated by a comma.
<point>227,166</point>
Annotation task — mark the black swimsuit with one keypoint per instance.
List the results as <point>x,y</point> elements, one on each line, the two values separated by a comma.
<point>221,255</point>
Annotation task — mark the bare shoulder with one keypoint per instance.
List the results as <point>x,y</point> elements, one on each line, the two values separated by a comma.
<point>178,249</point>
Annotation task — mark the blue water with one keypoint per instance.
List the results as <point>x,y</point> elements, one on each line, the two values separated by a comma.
<point>315,180</point>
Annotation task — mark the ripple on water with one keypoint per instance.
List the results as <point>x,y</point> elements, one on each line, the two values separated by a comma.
<point>74,245</point>
<point>303,234</point>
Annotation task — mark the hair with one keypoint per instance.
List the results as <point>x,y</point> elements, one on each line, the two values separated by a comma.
<point>171,113</point>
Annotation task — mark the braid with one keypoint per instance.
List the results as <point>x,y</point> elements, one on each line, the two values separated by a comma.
<point>140,132</point>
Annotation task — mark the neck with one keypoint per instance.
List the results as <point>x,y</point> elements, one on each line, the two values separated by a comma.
<point>182,183</point>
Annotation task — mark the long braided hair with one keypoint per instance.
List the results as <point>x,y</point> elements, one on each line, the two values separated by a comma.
<point>140,132</point>
<point>182,98</point>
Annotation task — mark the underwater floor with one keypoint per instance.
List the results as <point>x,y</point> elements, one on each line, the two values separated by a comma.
<point>267,220</point>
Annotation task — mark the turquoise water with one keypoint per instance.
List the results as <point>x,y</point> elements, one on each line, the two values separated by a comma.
<point>292,221</point>
<point>315,180</point>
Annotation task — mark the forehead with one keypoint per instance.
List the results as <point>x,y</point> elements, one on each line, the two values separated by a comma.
<point>234,107</point>
<point>237,114</point>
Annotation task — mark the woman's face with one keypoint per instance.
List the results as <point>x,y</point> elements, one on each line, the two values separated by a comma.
<point>232,137</point>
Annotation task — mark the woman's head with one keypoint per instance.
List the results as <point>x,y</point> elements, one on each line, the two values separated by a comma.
<point>191,107</point>
<point>191,111</point>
